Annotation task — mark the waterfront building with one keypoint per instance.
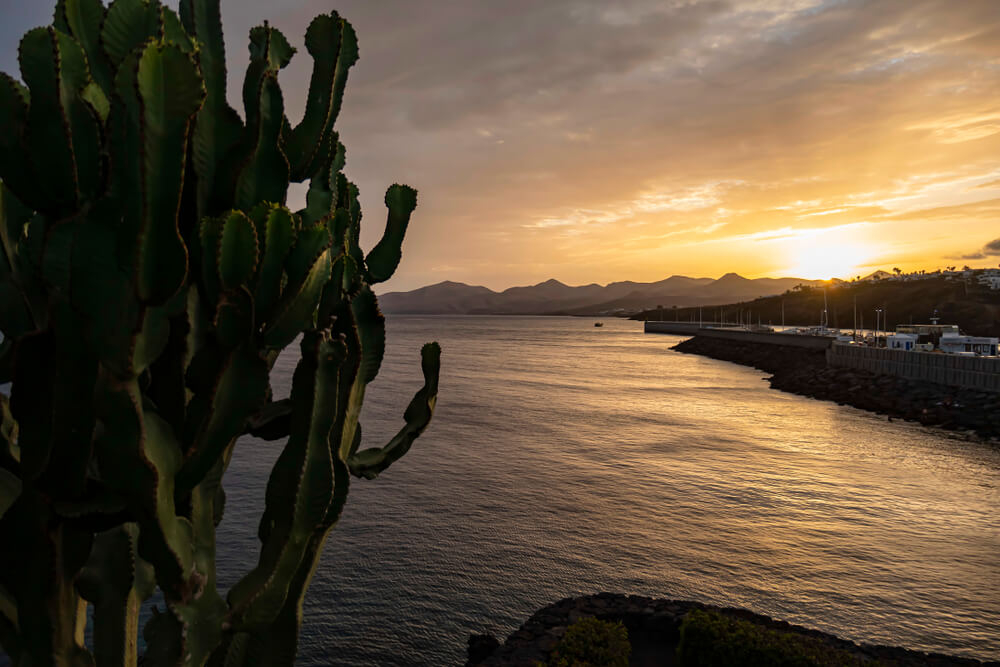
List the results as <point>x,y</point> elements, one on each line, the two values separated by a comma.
<point>902,341</point>
<point>977,345</point>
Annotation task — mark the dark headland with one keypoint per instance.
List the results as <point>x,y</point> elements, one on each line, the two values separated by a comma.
<point>654,632</point>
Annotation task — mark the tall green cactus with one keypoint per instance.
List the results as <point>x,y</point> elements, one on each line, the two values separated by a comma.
<point>150,276</point>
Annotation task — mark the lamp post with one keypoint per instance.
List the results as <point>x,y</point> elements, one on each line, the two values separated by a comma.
<point>878,314</point>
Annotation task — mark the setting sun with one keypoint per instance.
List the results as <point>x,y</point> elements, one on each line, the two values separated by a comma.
<point>817,258</point>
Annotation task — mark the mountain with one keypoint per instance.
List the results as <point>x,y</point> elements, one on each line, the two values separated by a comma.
<point>554,297</point>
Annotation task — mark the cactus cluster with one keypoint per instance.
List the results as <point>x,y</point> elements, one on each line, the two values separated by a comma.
<point>150,275</point>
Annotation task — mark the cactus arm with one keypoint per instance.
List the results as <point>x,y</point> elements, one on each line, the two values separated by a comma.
<point>167,386</point>
<point>218,127</point>
<point>321,198</point>
<point>83,19</point>
<point>384,257</point>
<point>279,238</point>
<point>203,616</point>
<point>171,92</point>
<point>10,453</point>
<point>264,177</point>
<point>219,412</point>
<point>238,252</point>
<point>127,26</point>
<point>371,333</point>
<point>310,140</point>
<point>369,463</point>
<point>139,458</point>
<point>269,45</point>
<point>314,139</point>
<point>209,241</point>
<point>39,576</point>
<point>55,425</point>
<point>62,128</point>
<point>164,635</point>
<point>300,488</point>
<point>10,489</point>
<point>278,643</point>
<point>14,150</point>
<point>273,421</point>
<point>14,307</point>
<point>173,31</point>
<point>302,294</point>
<point>269,52</point>
<point>363,327</point>
<point>107,581</point>
<point>32,402</point>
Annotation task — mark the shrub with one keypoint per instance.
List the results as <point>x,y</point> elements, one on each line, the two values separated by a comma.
<point>592,643</point>
<point>713,639</point>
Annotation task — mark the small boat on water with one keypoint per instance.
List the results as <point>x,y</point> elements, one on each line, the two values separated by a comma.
<point>598,324</point>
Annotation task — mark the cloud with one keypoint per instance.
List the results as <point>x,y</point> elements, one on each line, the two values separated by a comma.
<point>991,249</point>
<point>582,125</point>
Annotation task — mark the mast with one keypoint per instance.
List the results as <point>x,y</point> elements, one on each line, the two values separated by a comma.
<point>855,317</point>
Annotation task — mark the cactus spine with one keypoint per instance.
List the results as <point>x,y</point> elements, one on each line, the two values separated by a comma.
<point>150,276</point>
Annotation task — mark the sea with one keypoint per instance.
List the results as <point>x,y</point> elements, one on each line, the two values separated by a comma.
<point>568,459</point>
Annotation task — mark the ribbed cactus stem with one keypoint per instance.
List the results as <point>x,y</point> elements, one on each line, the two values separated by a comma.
<point>150,275</point>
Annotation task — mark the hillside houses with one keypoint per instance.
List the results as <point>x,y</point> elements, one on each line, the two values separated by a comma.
<point>989,278</point>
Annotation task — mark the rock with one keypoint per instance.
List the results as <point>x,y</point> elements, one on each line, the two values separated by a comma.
<point>481,647</point>
<point>655,622</point>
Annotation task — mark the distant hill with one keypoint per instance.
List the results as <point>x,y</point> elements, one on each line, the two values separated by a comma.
<point>975,309</point>
<point>553,297</point>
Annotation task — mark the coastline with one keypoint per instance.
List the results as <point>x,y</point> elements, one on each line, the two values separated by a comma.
<point>805,372</point>
<point>654,629</point>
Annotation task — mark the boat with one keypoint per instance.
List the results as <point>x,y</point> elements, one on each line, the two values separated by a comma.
<point>598,324</point>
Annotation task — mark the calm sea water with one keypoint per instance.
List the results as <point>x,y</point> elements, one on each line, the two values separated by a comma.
<point>566,459</point>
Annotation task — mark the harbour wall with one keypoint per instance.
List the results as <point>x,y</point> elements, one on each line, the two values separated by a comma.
<point>693,329</point>
<point>981,373</point>
<point>806,372</point>
<point>977,373</point>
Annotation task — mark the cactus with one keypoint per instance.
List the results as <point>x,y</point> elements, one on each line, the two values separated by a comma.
<point>151,273</point>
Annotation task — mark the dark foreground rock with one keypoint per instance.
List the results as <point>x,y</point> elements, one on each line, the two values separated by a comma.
<point>654,630</point>
<point>805,372</point>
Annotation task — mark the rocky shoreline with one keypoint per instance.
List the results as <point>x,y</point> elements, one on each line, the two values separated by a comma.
<point>805,372</point>
<point>654,627</point>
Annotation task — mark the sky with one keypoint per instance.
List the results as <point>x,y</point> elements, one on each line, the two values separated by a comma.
<point>590,141</point>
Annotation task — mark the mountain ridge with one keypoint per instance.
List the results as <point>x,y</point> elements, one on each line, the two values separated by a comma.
<point>552,296</point>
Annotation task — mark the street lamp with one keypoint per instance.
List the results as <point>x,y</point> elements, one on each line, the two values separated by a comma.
<point>878,314</point>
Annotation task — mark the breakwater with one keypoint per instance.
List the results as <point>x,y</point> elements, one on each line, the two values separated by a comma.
<point>654,631</point>
<point>739,335</point>
<point>968,372</point>
<point>806,372</point>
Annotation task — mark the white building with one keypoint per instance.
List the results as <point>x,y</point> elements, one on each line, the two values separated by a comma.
<point>901,341</point>
<point>978,345</point>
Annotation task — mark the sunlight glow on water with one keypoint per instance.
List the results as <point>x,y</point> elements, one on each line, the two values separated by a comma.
<point>566,459</point>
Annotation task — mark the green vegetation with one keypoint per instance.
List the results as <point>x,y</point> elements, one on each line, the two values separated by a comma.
<point>713,639</point>
<point>150,276</point>
<point>592,643</point>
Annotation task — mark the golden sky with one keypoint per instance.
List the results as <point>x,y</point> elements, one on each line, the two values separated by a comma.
<point>591,141</point>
